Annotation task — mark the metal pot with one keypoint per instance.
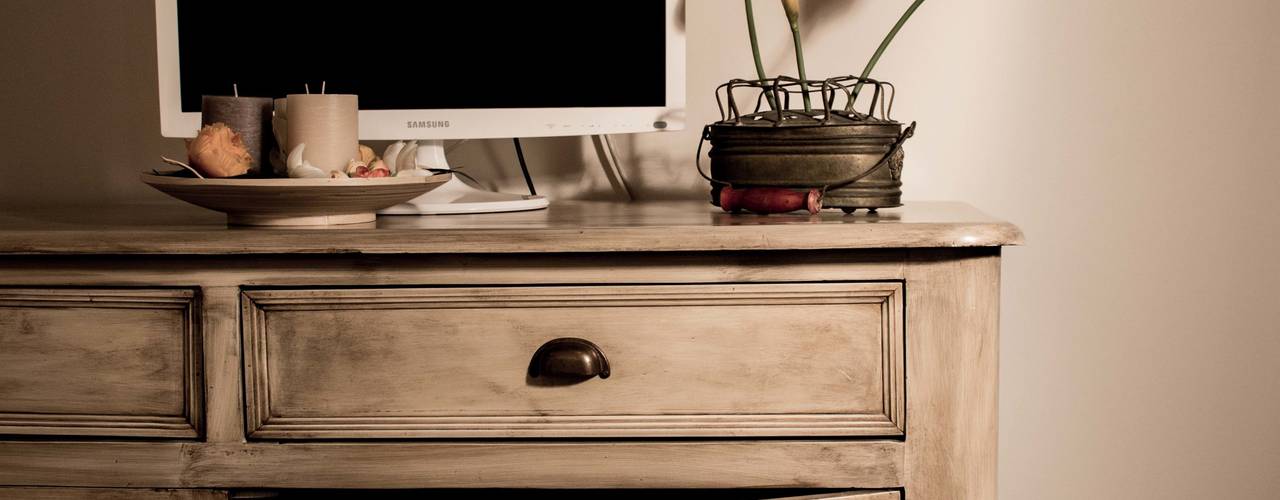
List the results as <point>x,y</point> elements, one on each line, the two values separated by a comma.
<point>856,158</point>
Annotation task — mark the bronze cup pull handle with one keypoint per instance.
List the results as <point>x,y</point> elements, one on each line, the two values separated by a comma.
<point>569,358</point>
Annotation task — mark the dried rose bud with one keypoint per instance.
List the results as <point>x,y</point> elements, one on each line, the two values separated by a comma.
<point>218,151</point>
<point>354,165</point>
<point>379,172</point>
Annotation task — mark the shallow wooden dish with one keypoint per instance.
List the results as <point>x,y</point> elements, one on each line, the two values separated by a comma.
<point>295,202</point>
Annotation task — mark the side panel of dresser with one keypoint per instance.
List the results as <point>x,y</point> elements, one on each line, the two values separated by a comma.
<point>952,348</point>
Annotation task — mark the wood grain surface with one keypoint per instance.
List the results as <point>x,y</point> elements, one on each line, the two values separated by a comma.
<point>322,305</point>
<point>815,359</point>
<point>625,464</point>
<point>564,227</point>
<point>99,362</point>
<point>952,350</point>
<point>109,494</point>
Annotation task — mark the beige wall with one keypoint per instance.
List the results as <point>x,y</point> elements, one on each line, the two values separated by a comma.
<point>1135,142</point>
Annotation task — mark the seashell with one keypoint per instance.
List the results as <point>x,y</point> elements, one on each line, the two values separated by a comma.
<point>408,157</point>
<point>218,151</point>
<point>307,171</point>
<point>389,155</point>
<point>302,169</point>
<point>415,172</point>
<point>280,123</point>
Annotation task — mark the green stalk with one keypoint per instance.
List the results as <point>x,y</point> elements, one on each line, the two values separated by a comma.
<point>875,58</point>
<point>755,51</point>
<point>793,18</point>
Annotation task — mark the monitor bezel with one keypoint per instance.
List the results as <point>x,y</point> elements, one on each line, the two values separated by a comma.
<point>456,123</point>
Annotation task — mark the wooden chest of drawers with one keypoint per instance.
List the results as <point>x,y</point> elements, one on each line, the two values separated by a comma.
<point>837,353</point>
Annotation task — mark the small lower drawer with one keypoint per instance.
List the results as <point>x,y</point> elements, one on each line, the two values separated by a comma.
<point>99,362</point>
<point>801,359</point>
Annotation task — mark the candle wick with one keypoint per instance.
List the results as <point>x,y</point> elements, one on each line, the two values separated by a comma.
<point>307,86</point>
<point>235,89</point>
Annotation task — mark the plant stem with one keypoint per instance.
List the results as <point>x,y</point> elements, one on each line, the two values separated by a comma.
<point>755,51</point>
<point>885,44</point>
<point>792,9</point>
<point>804,87</point>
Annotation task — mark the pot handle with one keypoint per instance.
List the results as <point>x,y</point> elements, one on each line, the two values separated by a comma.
<point>907,133</point>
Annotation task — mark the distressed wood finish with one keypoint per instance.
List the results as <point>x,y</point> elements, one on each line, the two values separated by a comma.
<point>565,227</point>
<point>109,494</point>
<point>952,352</point>
<point>811,359</point>
<point>504,268</point>
<point>99,362</point>
<point>559,464</point>
<point>405,270</point>
<point>222,379</point>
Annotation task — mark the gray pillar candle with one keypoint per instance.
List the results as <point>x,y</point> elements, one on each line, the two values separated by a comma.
<point>248,116</point>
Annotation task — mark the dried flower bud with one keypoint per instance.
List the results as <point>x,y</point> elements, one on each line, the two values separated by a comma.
<point>366,154</point>
<point>356,168</point>
<point>792,9</point>
<point>218,151</point>
<point>379,167</point>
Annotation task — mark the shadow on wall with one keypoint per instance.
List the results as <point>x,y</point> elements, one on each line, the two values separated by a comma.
<point>80,90</point>
<point>570,168</point>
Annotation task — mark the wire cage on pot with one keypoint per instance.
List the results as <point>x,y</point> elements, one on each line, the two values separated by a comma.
<point>853,159</point>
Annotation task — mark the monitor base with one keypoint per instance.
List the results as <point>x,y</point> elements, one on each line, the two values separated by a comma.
<point>456,196</point>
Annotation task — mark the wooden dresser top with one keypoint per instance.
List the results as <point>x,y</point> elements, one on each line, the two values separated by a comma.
<point>564,227</point>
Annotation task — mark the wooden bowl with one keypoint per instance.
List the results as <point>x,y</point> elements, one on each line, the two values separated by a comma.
<point>295,202</point>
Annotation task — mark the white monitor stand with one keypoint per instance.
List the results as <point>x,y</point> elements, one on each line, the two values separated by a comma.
<point>456,196</point>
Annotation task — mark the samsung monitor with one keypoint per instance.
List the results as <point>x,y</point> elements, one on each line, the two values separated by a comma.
<point>434,70</point>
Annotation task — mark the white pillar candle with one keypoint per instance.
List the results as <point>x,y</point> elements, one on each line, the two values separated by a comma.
<point>328,124</point>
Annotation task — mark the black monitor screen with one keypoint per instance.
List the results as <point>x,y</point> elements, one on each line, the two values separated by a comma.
<point>428,54</point>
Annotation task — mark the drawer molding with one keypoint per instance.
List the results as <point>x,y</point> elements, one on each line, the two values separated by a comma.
<point>264,423</point>
<point>186,424</point>
<point>795,463</point>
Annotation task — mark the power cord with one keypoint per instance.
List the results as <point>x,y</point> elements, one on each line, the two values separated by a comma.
<point>523,167</point>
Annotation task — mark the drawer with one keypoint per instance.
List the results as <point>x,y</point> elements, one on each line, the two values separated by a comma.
<point>799,359</point>
<point>99,362</point>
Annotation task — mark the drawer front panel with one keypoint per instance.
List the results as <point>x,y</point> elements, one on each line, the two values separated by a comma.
<point>686,360</point>
<point>99,362</point>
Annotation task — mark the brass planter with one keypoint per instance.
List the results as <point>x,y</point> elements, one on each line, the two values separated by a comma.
<point>857,158</point>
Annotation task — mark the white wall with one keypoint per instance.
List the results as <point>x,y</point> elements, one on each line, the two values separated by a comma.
<point>1134,142</point>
